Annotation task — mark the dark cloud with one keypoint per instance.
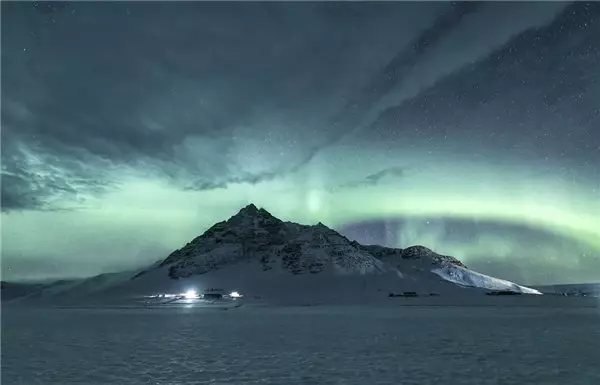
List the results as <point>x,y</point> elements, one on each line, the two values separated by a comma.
<point>393,74</point>
<point>183,102</point>
<point>532,98</point>
<point>49,181</point>
<point>252,179</point>
<point>392,171</point>
<point>377,178</point>
<point>407,76</point>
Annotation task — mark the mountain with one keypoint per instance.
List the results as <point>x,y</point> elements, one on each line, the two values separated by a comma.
<point>398,256</point>
<point>253,242</point>
<point>264,257</point>
<point>419,259</point>
<point>255,235</point>
<point>13,290</point>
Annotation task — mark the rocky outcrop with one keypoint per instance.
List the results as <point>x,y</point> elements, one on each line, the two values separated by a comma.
<point>398,257</point>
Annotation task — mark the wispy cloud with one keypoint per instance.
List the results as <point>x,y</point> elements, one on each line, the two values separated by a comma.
<point>465,33</point>
<point>374,179</point>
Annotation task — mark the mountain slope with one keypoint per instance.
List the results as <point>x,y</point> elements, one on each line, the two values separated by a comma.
<point>415,259</point>
<point>12,290</point>
<point>469,278</point>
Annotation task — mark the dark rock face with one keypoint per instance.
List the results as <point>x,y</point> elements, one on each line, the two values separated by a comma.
<point>381,252</point>
<point>416,252</point>
<point>254,235</point>
<point>396,256</point>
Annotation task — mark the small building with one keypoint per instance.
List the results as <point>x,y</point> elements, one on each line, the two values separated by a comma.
<point>503,292</point>
<point>213,294</point>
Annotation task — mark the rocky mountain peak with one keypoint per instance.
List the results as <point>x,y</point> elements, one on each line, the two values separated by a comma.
<point>251,213</point>
<point>253,235</point>
<point>416,251</point>
<point>248,210</point>
<point>422,252</point>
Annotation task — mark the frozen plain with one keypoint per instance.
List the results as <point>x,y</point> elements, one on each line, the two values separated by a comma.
<point>500,344</point>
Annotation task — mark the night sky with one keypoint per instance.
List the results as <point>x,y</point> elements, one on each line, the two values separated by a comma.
<point>470,128</point>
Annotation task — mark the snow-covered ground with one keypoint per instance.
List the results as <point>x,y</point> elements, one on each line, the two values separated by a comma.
<point>551,344</point>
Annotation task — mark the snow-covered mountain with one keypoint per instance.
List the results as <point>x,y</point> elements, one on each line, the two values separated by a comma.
<point>261,255</point>
<point>254,241</point>
<point>469,278</point>
<point>416,260</point>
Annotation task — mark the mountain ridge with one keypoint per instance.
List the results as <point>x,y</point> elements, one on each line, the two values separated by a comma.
<point>253,234</point>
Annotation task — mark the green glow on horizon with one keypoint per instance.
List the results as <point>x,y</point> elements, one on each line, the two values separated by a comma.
<point>154,211</point>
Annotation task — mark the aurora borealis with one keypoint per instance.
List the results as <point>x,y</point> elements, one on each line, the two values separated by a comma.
<point>470,128</point>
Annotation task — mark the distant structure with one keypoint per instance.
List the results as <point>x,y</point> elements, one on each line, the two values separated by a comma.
<point>213,294</point>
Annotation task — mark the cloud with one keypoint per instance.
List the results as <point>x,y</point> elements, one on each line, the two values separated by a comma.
<point>394,73</point>
<point>33,180</point>
<point>190,106</point>
<point>376,178</point>
<point>175,112</point>
<point>392,171</point>
<point>252,179</point>
<point>465,33</point>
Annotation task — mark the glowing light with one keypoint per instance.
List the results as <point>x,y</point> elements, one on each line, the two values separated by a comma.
<point>190,294</point>
<point>313,201</point>
<point>235,294</point>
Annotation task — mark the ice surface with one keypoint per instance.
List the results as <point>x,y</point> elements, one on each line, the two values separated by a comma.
<point>405,345</point>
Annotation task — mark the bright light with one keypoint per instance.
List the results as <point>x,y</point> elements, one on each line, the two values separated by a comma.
<point>190,294</point>
<point>235,294</point>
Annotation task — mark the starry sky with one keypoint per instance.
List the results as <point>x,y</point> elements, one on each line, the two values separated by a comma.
<point>129,128</point>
